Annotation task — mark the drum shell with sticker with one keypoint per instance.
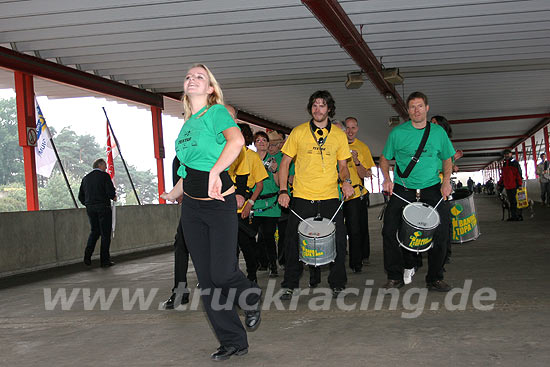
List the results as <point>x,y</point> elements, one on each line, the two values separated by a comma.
<point>418,226</point>
<point>463,217</point>
<point>317,241</point>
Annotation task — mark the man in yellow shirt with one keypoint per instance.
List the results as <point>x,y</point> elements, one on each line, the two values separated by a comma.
<point>320,154</point>
<point>355,208</point>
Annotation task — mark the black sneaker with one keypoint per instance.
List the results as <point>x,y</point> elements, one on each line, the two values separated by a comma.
<point>391,283</point>
<point>439,286</point>
<point>336,291</point>
<point>287,294</point>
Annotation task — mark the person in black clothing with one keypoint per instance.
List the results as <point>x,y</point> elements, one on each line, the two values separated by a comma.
<point>96,192</point>
<point>180,292</point>
<point>511,180</point>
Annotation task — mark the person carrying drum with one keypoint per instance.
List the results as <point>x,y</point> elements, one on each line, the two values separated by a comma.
<point>320,161</point>
<point>417,172</point>
<point>355,208</point>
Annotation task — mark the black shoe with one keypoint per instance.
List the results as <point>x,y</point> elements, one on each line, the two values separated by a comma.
<point>169,303</point>
<point>252,278</point>
<point>224,353</point>
<point>87,260</point>
<point>262,268</point>
<point>357,269</point>
<point>252,318</point>
<point>439,286</point>
<point>336,291</point>
<point>107,264</point>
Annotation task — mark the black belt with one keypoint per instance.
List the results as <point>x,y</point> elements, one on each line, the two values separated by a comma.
<point>267,196</point>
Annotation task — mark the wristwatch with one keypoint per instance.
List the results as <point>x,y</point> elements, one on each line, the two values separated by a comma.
<point>348,180</point>
<point>251,202</point>
<point>358,164</point>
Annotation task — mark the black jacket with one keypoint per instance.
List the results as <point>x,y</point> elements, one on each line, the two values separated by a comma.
<point>96,189</point>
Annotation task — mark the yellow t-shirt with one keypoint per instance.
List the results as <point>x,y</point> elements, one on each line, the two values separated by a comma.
<point>316,176</point>
<point>365,157</point>
<point>239,166</point>
<point>256,168</point>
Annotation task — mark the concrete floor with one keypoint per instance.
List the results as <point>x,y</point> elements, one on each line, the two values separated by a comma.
<point>510,258</point>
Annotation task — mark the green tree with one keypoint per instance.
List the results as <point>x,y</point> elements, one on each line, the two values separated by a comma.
<point>11,154</point>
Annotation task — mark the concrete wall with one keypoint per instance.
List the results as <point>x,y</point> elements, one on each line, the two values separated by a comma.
<point>31,241</point>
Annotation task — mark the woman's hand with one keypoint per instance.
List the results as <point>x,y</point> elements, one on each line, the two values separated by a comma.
<point>171,196</point>
<point>215,186</point>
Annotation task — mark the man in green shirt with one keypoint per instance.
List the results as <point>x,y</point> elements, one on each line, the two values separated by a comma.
<point>401,145</point>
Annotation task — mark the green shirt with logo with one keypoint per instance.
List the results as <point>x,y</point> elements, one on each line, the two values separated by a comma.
<point>201,140</point>
<point>402,144</point>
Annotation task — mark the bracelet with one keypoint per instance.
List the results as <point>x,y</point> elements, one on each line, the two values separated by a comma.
<point>283,192</point>
<point>251,202</point>
<point>358,164</point>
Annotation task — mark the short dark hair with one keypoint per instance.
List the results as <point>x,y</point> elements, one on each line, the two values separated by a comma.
<point>415,95</point>
<point>262,134</point>
<point>98,162</point>
<point>542,154</point>
<point>506,151</point>
<point>327,97</point>
<point>247,133</point>
<point>281,133</point>
<point>442,121</point>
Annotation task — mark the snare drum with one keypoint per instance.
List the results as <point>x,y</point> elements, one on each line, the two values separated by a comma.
<point>317,241</point>
<point>418,227</point>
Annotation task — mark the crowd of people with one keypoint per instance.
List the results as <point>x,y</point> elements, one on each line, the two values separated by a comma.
<point>235,200</point>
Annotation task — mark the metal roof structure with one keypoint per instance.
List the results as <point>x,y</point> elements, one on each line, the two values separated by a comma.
<point>473,58</point>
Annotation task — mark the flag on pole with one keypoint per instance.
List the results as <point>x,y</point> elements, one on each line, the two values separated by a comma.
<point>112,152</point>
<point>45,155</point>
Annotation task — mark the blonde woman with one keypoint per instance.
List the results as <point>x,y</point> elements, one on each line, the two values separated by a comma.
<point>207,144</point>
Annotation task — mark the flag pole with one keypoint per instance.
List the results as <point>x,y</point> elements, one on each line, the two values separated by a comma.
<point>58,159</point>
<point>121,157</point>
<point>62,170</point>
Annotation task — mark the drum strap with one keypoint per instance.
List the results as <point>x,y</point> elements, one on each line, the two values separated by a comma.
<point>414,159</point>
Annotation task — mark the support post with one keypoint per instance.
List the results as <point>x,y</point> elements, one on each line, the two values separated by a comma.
<point>24,90</point>
<point>525,160</point>
<point>546,145</point>
<point>534,149</point>
<point>158,143</point>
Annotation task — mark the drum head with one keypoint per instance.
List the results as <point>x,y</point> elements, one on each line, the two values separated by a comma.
<point>316,228</point>
<point>421,215</point>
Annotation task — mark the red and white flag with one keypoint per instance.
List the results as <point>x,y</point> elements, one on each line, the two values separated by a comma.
<point>112,152</point>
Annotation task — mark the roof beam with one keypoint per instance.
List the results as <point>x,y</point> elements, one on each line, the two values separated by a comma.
<point>62,74</point>
<point>489,138</point>
<point>500,118</point>
<point>333,17</point>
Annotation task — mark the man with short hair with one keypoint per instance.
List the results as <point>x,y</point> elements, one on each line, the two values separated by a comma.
<point>320,154</point>
<point>422,182</point>
<point>511,179</point>
<point>544,179</point>
<point>96,192</point>
<point>355,208</point>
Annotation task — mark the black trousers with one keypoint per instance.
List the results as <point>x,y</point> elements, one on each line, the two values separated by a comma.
<point>101,220</point>
<point>395,259</point>
<point>545,192</point>
<point>181,259</point>
<point>267,249</point>
<point>356,219</point>
<point>514,211</point>
<point>210,231</point>
<point>365,220</point>
<point>293,268</point>
<point>246,237</point>
<point>281,226</point>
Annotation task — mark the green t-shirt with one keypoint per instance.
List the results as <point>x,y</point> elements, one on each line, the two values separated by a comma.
<point>402,145</point>
<point>201,140</point>
<point>269,207</point>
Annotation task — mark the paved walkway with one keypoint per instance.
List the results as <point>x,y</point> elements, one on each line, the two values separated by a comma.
<point>509,260</point>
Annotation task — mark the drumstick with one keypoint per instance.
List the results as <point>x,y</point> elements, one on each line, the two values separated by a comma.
<point>337,210</point>
<point>436,205</point>
<point>302,219</point>
<point>405,200</point>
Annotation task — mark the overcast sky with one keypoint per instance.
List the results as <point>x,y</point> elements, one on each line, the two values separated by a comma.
<point>132,126</point>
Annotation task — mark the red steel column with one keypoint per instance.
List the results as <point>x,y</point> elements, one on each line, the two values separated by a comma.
<point>546,145</point>
<point>517,155</point>
<point>24,90</point>
<point>158,143</point>
<point>534,148</point>
<point>525,160</point>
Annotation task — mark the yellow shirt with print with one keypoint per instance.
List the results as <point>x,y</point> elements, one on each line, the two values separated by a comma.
<point>256,168</point>
<point>364,156</point>
<point>316,176</point>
